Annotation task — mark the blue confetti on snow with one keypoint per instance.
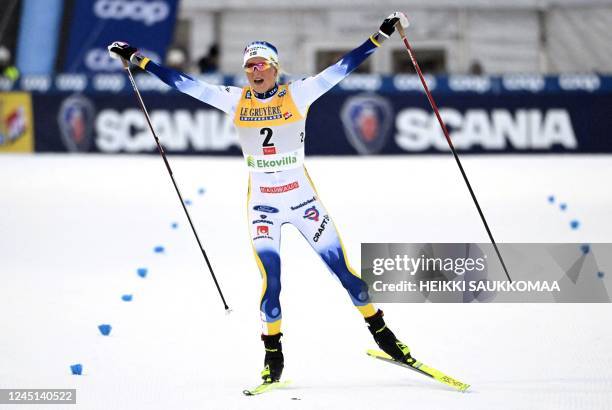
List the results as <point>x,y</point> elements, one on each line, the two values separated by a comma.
<point>174,225</point>
<point>574,224</point>
<point>187,202</point>
<point>142,272</point>
<point>158,249</point>
<point>76,369</point>
<point>201,191</point>
<point>563,206</point>
<point>551,199</point>
<point>126,298</point>
<point>585,248</point>
<point>105,329</point>
<point>600,275</point>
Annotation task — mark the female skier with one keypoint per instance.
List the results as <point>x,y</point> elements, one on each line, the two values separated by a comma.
<point>270,119</point>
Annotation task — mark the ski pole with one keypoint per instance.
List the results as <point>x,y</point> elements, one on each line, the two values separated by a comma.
<point>400,29</point>
<point>178,192</point>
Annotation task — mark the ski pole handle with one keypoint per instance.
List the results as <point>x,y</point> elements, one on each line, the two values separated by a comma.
<point>400,29</point>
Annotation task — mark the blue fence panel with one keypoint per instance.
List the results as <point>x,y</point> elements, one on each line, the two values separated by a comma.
<point>511,114</point>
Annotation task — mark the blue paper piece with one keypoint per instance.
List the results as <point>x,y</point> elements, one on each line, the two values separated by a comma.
<point>76,368</point>
<point>105,329</point>
<point>158,249</point>
<point>174,225</point>
<point>585,248</point>
<point>142,272</point>
<point>575,224</point>
<point>126,298</point>
<point>201,191</point>
<point>551,199</point>
<point>563,206</point>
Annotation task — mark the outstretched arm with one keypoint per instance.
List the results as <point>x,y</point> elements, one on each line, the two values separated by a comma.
<point>221,97</point>
<point>306,91</point>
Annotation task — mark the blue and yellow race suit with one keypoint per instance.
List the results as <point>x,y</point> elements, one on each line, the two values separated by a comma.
<point>272,130</point>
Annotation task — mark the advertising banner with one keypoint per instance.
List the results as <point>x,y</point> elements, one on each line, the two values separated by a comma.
<point>381,123</point>
<point>148,24</point>
<point>16,124</point>
<point>112,124</point>
<point>339,123</point>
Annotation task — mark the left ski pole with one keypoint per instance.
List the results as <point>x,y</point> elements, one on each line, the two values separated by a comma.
<point>161,151</point>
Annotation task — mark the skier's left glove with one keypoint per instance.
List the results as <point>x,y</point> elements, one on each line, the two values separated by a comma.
<point>119,49</point>
<point>388,26</point>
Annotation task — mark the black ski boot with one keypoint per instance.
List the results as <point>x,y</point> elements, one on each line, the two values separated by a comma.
<point>274,362</point>
<point>386,340</point>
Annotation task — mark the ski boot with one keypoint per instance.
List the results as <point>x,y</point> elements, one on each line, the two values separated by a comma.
<point>274,361</point>
<point>386,340</point>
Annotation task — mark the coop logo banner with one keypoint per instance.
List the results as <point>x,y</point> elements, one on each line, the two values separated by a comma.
<point>470,272</point>
<point>95,24</point>
<point>16,125</point>
<point>367,119</point>
<point>147,12</point>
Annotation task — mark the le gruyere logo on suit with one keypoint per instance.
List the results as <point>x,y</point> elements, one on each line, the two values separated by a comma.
<point>261,113</point>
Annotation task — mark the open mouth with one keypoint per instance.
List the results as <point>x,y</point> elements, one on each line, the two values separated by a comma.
<point>258,81</point>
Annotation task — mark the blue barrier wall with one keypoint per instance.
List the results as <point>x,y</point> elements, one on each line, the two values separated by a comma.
<point>362,115</point>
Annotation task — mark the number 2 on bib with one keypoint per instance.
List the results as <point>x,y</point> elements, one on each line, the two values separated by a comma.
<point>268,147</point>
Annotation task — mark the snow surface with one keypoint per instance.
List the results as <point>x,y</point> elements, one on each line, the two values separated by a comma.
<point>74,229</point>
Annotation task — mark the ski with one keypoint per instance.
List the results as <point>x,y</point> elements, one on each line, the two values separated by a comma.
<point>264,387</point>
<point>422,368</point>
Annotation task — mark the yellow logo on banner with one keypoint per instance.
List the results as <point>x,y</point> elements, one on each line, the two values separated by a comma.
<point>16,125</point>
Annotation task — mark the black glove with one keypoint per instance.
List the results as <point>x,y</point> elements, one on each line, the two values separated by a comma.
<point>122,50</point>
<point>388,26</point>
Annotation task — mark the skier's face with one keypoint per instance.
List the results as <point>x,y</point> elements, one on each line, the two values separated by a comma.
<point>261,74</point>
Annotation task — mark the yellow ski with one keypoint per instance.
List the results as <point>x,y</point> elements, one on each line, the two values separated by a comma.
<point>264,387</point>
<point>420,367</point>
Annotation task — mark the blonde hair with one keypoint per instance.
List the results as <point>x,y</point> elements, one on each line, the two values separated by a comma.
<point>279,71</point>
